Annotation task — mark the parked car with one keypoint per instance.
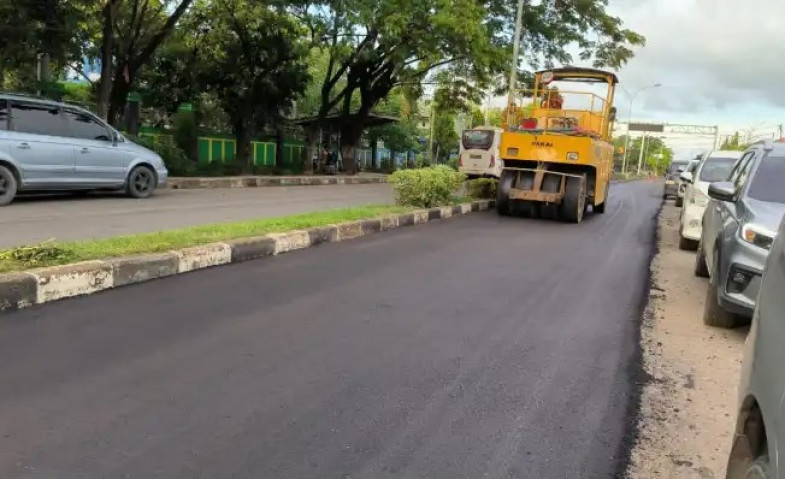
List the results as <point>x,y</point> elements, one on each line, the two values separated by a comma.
<point>672,178</point>
<point>759,439</point>
<point>716,166</point>
<point>681,185</point>
<point>738,230</point>
<point>52,146</point>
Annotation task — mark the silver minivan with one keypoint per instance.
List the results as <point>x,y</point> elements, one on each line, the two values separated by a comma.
<point>51,146</point>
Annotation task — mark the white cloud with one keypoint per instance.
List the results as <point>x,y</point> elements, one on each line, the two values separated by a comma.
<point>720,60</point>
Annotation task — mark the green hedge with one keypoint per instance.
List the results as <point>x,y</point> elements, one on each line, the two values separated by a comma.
<point>426,187</point>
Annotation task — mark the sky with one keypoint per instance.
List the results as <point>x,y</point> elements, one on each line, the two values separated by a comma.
<point>720,62</point>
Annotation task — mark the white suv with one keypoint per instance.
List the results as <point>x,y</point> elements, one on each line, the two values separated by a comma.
<point>714,167</point>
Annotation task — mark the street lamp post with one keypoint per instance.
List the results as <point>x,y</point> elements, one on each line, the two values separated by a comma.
<point>629,120</point>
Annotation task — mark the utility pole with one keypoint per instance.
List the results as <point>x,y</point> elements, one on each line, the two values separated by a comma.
<point>716,137</point>
<point>640,155</point>
<point>514,67</point>
<point>780,128</point>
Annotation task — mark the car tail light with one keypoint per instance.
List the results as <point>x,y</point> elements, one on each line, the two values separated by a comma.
<point>460,159</point>
<point>493,161</point>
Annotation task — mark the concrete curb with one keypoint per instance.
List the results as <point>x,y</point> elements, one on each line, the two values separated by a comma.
<point>177,183</point>
<point>42,285</point>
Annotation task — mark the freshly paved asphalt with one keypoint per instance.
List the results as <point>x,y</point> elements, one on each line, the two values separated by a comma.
<point>475,347</point>
<point>35,219</point>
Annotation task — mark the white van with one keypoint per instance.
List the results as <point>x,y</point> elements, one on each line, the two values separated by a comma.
<point>479,155</point>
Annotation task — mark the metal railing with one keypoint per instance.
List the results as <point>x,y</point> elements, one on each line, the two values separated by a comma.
<point>564,112</point>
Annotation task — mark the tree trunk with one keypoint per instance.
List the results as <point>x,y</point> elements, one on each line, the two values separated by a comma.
<point>279,148</point>
<point>243,135</point>
<point>350,137</point>
<point>107,59</point>
<point>375,163</point>
<point>118,98</point>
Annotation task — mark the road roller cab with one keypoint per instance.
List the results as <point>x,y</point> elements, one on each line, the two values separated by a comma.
<point>556,147</point>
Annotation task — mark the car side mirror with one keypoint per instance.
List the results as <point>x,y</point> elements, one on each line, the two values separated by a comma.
<point>686,177</point>
<point>723,191</point>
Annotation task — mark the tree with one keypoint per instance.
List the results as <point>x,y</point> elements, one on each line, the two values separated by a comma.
<point>445,138</point>
<point>403,135</point>
<point>478,118</point>
<point>251,57</point>
<point>131,32</point>
<point>656,154</point>
<point>38,33</point>
<point>375,46</point>
<point>734,143</point>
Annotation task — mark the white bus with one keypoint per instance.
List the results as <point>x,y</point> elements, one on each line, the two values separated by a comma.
<point>479,155</point>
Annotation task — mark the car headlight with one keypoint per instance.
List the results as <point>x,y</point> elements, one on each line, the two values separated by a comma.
<point>757,235</point>
<point>699,198</point>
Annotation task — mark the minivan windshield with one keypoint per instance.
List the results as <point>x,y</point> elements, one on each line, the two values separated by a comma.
<point>477,139</point>
<point>768,180</point>
<point>716,169</point>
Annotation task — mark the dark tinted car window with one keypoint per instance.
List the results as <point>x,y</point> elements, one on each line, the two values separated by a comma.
<point>477,139</point>
<point>717,169</point>
<point>38,119</point>
<point>767,184</point>
<point>3,115</point>
<point>85,127</point>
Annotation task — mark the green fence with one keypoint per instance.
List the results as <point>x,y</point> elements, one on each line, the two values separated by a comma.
<point>223,150</point>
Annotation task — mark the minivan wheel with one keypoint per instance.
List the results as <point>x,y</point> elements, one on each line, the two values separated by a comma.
<point>8,186</point>
<point>141,182</point>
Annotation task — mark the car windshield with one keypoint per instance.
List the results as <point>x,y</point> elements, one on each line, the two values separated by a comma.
<point>477,139</point>
<point>768,180</point>
<point>717,169</point>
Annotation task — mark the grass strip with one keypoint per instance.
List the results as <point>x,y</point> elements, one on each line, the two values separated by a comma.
<point>55,253</point>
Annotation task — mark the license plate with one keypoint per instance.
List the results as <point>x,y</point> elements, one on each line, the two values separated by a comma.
<point>669,182</point>
<point>475,157</point>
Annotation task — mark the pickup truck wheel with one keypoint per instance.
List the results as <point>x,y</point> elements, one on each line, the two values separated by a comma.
<point>687,244</point>
<point>713,314</point>
<point>8,186</point>
<point>574,203</point>
<point>503,192</point>
<point>701,270</point>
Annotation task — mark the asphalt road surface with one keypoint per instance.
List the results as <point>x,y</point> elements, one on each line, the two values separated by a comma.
<point>475,347</point>
<point>35,219</point>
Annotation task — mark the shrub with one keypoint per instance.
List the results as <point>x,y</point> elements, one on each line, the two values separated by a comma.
<point>482,188</point>
<point>174,157</point>
<point>426,187</point>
